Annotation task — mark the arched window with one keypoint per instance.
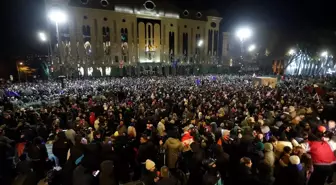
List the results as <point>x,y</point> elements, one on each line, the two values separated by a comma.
<point>84,30</point>
<point>88,29</point>
<point>86,33</point>
<point>104,31</point>
<point>124,35</point>
<point>106,34</point>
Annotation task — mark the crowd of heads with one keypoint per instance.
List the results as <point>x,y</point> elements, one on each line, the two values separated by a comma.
<point>212,129</point>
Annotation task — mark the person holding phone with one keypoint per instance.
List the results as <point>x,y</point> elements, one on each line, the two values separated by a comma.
<point>150,176</point>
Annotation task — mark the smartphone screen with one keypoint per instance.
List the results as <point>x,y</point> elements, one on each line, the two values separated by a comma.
<point>95,173</point>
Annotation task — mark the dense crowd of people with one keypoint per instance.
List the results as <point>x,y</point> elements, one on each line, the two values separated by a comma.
<point>207,130</point>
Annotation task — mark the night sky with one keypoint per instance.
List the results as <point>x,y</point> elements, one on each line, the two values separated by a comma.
<point>22,19</point>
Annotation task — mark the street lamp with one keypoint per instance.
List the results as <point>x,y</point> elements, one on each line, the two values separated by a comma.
<point>18,70</point>
<point>243,34</point>
<point>324,54</point>
<point>251,48</point>
<point>198,50</point>
<point>291,52</point>
<point>58,16</point>
<point>42,36</point>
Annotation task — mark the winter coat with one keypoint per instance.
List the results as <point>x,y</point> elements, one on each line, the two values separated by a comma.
<point>26,175</point>
<point>168,181</point>
<point>290,175</point>
<point>106,176</point>
<point>244,176</point>
<point>148,178</point>
<point>173,149</point>
<point>269,154</point>
<point>147,151</point>
<point>222,161</point>
<point>321,153</point>
<point>60,149</point>
<point>92,119</point>
<point>82,176</point>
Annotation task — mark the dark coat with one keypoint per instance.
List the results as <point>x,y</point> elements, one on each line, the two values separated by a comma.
<point>147,151</point>
<point>222,161</point>
<point>148,178</point>
<point>26,176</point>
<point>67,171</point>
<point>196,171</point>
<point>244,176</point>
<point>106,176</point>
<point>82,176</point>
<point>61,147</point>
<point>290,175</point>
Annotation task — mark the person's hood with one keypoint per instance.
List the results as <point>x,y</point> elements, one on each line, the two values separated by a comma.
<point>268,147</point>
<point>173,143</point>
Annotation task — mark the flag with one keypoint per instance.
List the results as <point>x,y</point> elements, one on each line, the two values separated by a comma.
<point>198,82</point>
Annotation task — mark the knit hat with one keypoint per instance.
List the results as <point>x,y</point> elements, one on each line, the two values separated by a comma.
<point>260,146</point>
<point>150,164</point>
<point>295,160</point>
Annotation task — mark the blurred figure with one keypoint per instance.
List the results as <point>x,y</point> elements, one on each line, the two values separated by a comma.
<point>37,152</point>
<point>60,148</point>
<point>106,176</point>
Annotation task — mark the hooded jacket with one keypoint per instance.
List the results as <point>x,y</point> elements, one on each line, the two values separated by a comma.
<point>173,149</point>
<point>269,154</point>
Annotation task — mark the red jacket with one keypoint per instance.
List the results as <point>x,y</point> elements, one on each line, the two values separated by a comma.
<point>321,153</point>
<point>92,118</point>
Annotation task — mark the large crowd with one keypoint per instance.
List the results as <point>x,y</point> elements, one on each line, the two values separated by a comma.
<point>194,130</point>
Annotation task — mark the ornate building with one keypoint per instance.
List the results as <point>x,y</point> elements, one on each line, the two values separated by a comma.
<point>102,37</point>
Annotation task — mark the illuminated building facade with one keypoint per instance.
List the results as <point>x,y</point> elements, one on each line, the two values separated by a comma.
<point>101,37</point>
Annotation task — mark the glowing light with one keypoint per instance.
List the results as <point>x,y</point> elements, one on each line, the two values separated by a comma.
<point>324,54</point>
<point>21,63</point>
<point>291,52</point>
<point>244,33</point>
<point>42,36</point>
<point>57,16</point>
<point>251,47</point>
<point>200,43</point>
